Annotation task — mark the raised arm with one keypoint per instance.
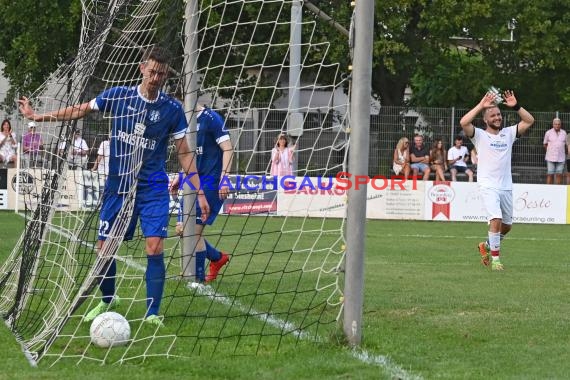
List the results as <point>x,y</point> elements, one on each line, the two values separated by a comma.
<point>68,113</point>
<point>466,121</point>
<point>527,120</point>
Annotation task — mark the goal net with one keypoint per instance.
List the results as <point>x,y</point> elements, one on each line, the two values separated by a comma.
<point>267,72</point>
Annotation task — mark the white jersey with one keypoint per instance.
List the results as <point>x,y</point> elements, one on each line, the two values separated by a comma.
<point>454,153</point>
<point>494,154</point>
<point>105,151</point>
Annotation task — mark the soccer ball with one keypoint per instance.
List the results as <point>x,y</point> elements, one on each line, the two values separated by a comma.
<point>110,329</point>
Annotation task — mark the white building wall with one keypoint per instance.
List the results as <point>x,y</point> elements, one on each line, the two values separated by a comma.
<point>4,84</point>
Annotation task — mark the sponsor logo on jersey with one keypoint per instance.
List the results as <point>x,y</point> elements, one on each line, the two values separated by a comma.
<point>499,145</point>
<point>136,140</point>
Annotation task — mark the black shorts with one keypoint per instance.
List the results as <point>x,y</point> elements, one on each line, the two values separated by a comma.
<point>460,169</point>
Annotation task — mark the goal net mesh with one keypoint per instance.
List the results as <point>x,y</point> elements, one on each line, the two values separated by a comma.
<point>285,237</point>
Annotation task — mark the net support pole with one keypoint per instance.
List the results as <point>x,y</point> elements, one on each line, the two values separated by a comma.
<point>18,168</point>
<point>358,166</point>
<point>295,117</point>
<point>189,241</point>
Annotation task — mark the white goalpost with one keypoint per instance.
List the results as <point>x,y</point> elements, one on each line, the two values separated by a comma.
<point>267,67</point>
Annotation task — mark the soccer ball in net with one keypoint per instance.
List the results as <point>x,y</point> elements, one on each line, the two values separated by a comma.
<point>110,329</point>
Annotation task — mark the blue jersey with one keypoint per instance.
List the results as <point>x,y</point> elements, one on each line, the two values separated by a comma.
<point>130,111</point>
<point>211,132</point>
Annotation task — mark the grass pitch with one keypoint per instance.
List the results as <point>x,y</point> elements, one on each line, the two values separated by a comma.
<point>431,311</point>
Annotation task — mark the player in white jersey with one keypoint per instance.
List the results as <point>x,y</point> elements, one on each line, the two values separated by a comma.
<point>143,119</point>
<point>494,148</point>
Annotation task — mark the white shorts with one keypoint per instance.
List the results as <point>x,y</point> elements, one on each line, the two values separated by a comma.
<point>498,204</point>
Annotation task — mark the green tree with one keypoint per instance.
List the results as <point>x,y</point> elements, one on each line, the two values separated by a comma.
<point>37,36</point>
<point>415,46</point>
<point>455,78</point>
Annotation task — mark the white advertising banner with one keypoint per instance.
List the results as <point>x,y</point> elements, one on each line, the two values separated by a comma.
<point>30,182</point>
<point>387,198</point>
<point>398,200</point>
<point>457,201</point>
<point>3,199</point>
<point>327,197</point>
<point>544,204</point>
<point>460,201</point>
<point>311,196</point>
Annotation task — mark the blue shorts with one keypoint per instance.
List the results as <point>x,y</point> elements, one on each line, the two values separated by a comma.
<point>554,167</point>
<point>420,166</point>
<point>215,203</point>
<point>151,206</point>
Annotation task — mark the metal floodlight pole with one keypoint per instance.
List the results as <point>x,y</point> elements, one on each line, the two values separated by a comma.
<point>189,240</point>
<point>295,117</point>
<point>358,165</point>
<point>295,55</point>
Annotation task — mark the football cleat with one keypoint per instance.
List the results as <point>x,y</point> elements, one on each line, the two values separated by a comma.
<point>215,267</point>
<point>496,265</point>
<point>101,308</point>
<point>484,251</point>
<point>154,320</point>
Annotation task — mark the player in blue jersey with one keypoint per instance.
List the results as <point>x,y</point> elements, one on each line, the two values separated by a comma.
<point>215,152</point>
<point>143,120</point>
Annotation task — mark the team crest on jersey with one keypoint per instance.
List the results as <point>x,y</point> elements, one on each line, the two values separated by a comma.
<point>154,116</point>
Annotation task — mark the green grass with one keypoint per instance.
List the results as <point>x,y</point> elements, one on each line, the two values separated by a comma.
<point>430,307</point>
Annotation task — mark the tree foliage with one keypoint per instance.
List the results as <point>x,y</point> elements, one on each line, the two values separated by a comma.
<point>414,46</point>
<point>447,51</point>
<point>37,36</point>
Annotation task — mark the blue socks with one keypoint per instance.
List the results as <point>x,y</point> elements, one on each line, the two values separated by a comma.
<point>155,277</point>
<point>212,253</point>
<point>107,285</point>
<point>200,265</point>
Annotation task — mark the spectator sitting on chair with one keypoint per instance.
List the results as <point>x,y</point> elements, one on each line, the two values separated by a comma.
<point>555,145</point>
<point>457,157</point>
<point>437,160</point>
<point>401,159</point>
<point>77,157</point>
<point>32,145</point>
<point>8,144</point>
<point>419,157</point>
